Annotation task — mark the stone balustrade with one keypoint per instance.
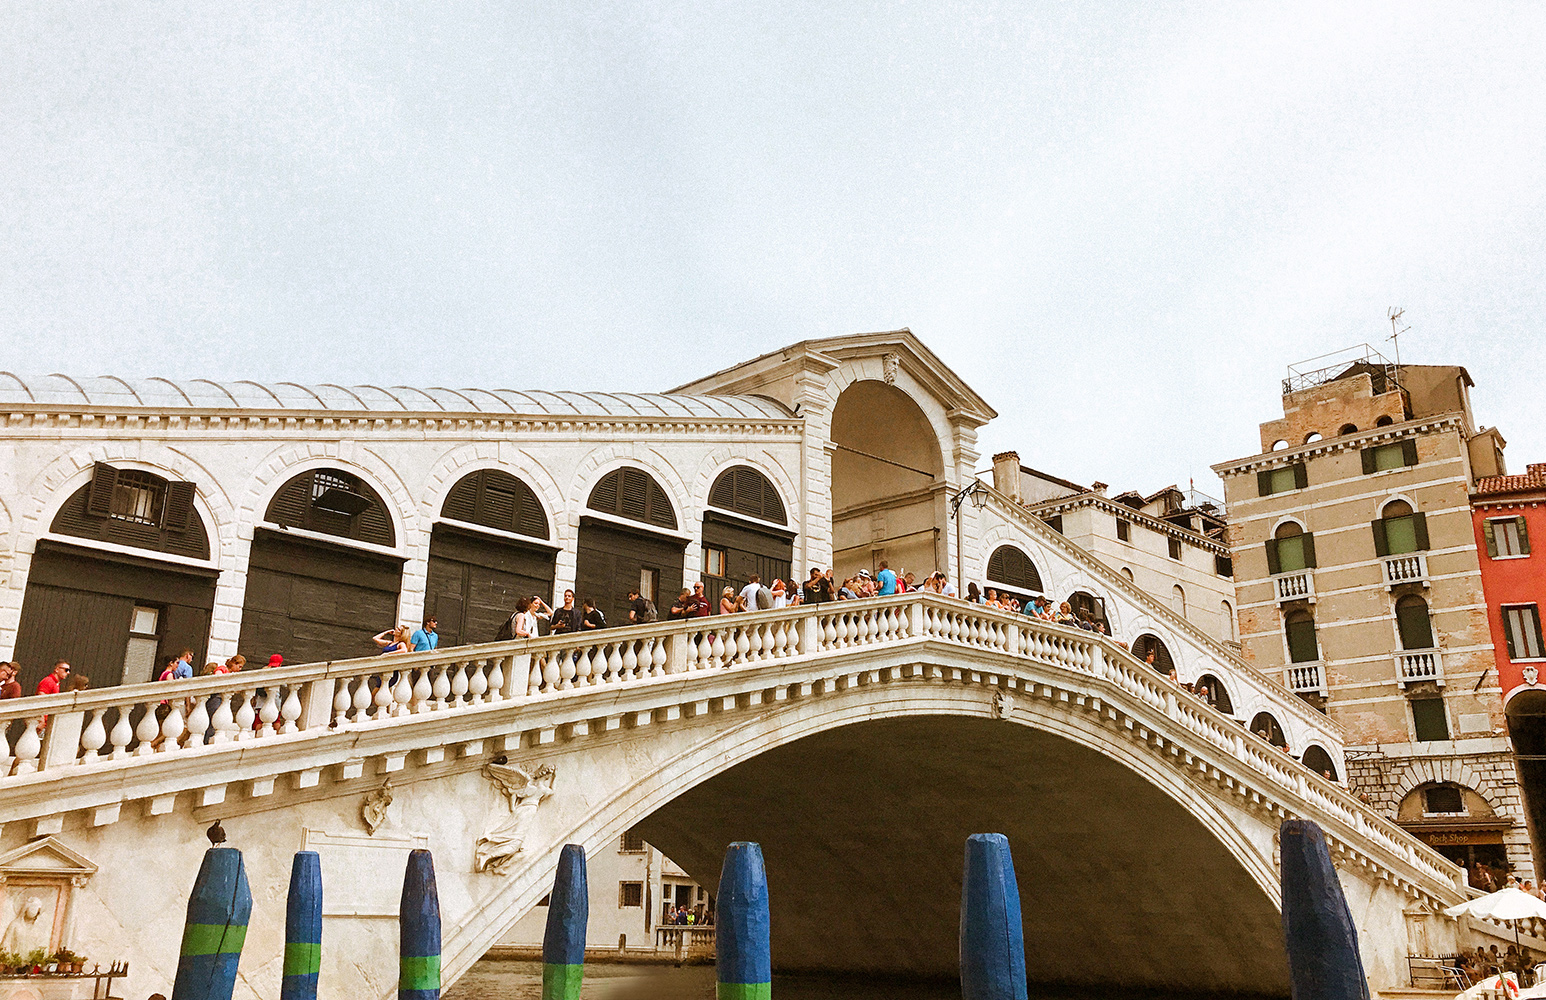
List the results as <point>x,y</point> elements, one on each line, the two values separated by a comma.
<point>1298,585</point>
<point>1415,665</point>
<point>1411,567</point>
<point>138,725</point>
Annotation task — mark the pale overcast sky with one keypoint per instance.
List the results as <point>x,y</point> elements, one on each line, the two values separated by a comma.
<point>1118,222</point>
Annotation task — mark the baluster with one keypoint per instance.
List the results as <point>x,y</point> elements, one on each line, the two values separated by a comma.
<point>568,669</point>
<point>535,675</point>
<point>28,746</point>
<point>441,688</point>
<point>496,679</point>
<point>743,644</point>
<point>93,737</point>
<point>198,723</point>
<point>269,712</point>
<point>778,636</point>
<point>614,663</point>
<point>244,716</point>
<point>828,631</point>
<point>219,720</point>
<point>422,692</point>
<point>122,733</point>
<point>658,657</point>
<point>361,699</point>
<point>477,681</point>
<point>583,668</point>
<point>342,700</point>
<point>147,731</point>
<point>552,673</point>
<point>402,694</point>
<point>5,750</point>
<point>291,709</point>
<point>754,643</point>
<point>630,662</point>
<point>459,685</point>
<point>382,697</point>
<point>173,728</point>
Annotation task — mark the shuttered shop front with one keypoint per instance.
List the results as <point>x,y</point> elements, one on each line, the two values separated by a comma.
<point>80,605</point>
<point>475,580</point>
<point>748,548</point>
<point>614,559</point>
<point>310,600</point>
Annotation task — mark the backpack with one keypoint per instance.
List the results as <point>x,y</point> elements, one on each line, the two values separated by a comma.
<point>764,598</point>
<point>507,630</point>
<point>650,614</point>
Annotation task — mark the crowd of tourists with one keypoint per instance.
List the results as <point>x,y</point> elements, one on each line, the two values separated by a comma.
<point>1479,963</point>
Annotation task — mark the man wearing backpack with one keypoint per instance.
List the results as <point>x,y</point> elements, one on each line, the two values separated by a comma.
<point>641,610</point>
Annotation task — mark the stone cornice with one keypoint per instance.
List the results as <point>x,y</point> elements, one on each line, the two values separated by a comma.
<point>1149,521</point>
<point>1349,442</point>
<point>54,417</point>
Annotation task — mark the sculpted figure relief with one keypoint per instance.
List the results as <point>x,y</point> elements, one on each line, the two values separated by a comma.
<point>25,933</point>
<point>374,811</point>
<point>524,792</point>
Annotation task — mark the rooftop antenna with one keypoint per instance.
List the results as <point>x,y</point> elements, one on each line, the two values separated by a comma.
<point>1394,315</point>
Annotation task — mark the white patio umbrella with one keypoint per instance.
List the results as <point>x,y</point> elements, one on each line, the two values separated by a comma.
<point>1509,905</point>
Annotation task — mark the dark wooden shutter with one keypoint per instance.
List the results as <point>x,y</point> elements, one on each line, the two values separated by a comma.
<point>103,479</point>
<point>1492,539</point>
<point>179,506</point>
<point>1409,451</point>
<point>1413,623</point>
<point>1524,535</point>
<point>633,493</point>
<point>604,496</point>
<point>1272,557</point>
<point>660,512</point>
<point>1367,455</point>
<point>1309,550</point>
<point>462,502</point>
<point>1264,483</point>
<point>1301,476</point>
<point>1381,543</point>
<point>1420,529</point>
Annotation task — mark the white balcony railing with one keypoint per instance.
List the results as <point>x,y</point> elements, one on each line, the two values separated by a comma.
<point>1307,678</point>
<point>1409,567</point>
<point>1298,585</point>
<point>1415,665</point>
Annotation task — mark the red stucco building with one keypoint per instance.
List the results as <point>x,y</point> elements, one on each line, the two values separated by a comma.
<point>1509,516</point>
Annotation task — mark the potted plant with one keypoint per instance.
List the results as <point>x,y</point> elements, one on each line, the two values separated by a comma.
<point>68,960</point>
<point>35,960</point>
<point>10,963</point>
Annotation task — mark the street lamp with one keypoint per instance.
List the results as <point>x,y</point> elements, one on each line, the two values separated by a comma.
<point>978,494</point>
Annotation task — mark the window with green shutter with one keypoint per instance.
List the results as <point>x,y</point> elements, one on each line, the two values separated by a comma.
<point>1429,723</point>
<point>1400,530</point>
<point>1290,550</point>
<point>1290,477</point>
<point>1507,537</point>
<point>1414,624</point>
<point>1522,631</point>
<point>1300,630</point>
<point>1384,457</point>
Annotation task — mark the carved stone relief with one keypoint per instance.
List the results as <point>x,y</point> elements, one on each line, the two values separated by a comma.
<point>524,793</point>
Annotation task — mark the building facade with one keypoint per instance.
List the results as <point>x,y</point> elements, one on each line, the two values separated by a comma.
<point>1358,583</point>
<point>1508,512</point>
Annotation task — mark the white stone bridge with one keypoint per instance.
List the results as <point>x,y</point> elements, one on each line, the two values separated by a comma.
<point>859,742</point>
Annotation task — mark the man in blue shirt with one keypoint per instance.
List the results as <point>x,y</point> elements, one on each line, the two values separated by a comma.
<point>425,639</point>
<point>184,668</point>
<point>886,579</point>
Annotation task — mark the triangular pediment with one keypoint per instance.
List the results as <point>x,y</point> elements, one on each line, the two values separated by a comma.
<point>779,374</point>
<point>46,856</point>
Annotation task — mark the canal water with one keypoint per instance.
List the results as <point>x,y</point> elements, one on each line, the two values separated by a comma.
<point>508,980</point>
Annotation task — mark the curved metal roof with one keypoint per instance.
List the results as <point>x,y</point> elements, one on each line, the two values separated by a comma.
<point>165,394</point>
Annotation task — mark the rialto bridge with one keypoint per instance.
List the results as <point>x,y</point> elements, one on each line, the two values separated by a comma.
<point>858,741</point>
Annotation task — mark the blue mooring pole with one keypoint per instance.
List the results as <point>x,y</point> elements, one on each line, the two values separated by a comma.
<point>992,942</point>
<point>218,911</point>
<point>303,929</point>
<point>1318,929</point>
<point>563,943</point>
<point>419,930</point>
<point>742,930</point>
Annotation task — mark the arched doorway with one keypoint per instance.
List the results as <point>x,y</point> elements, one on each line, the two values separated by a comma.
<point>628,541</point>
<point>1459,823</point>
<point>1011,572</point>
<point>1318,760</point>
<point>313,598</point>
<point>888,500</point>
<point>745,531</point>
<point>1146,644</point>
<point>1212,690</point>
<point>1091,608</point>
<point>490,548</point>
<point>113,615</point>
<point>1269,729</point>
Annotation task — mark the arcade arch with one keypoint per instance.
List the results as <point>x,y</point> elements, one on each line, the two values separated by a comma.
<point>745,532</point>
<point>888,500</point>
<point>628,540</point>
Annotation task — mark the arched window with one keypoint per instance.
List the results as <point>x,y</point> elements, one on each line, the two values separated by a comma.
<point>1349,429</point>
<point>135,508</point>
<point>1226,622</point>
<point>1384,422</point>
<point>1413,622</point>
<point>1212,690</point>
<point>1013,568</point>
<point>1299,627</point>
<point>633,494</point>
<point>1127,573</point>
<point>1400,529</point>
<point>1318,760</point>
<point>1312,437</point>
<point>333,502</point>
<point>1290,549</point>
<point>496,499</point>
<point>1089,608</point>
<point>1265,726</point>
<point>1146,644</point>
<point>747,491</point>
<point>1178,600</point>
<point>1279,445</point>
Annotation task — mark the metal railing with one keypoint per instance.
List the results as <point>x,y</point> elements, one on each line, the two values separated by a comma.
<point>1329,367</point>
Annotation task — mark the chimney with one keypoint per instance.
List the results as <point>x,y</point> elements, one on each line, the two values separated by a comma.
<point>1006,474</point>
<point>1534,469</point>
<point>1099,488</point>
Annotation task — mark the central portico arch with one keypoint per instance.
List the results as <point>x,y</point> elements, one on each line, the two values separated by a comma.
<point>887,482</point>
